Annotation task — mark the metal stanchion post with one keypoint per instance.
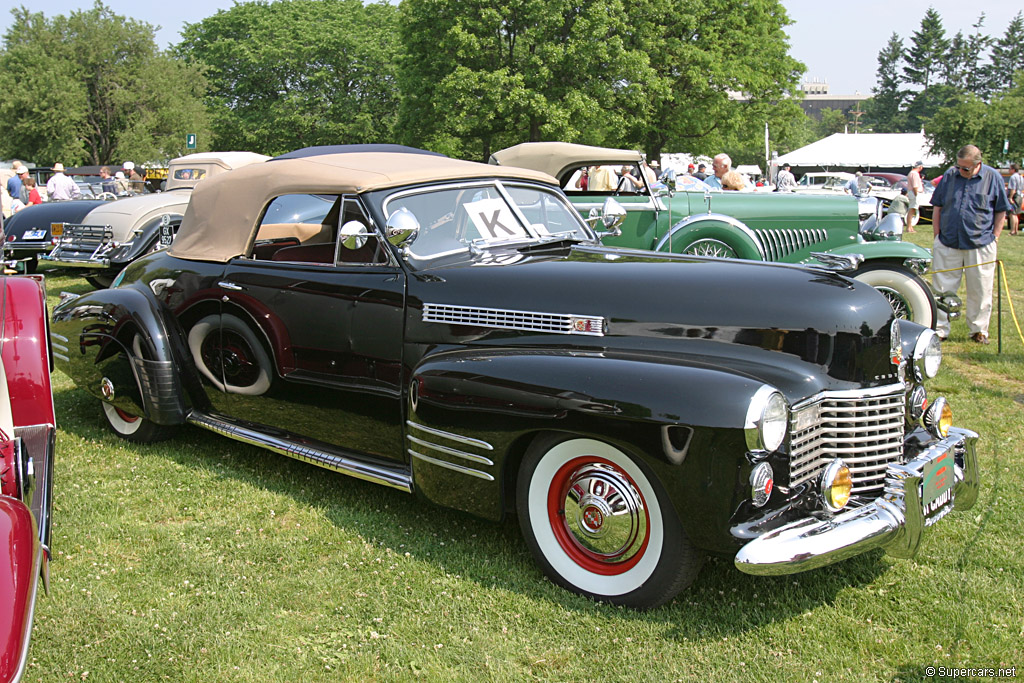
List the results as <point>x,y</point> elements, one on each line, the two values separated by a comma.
<point>999,304</point>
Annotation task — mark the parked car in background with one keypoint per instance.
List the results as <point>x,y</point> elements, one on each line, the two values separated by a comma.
<point>886,186</point>
<point>785,227</point>
<point>455,330</point>
<point>831,182</point>
<point>27,438</point>
<point>112,235</point>
<point>27,233</point>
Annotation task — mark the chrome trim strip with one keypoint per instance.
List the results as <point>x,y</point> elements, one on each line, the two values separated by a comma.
<point>54,335</point>
<point>452,466</point>
<point>510,319</point>
<point>333,461</point>
<point>67,263</point>
<point>848,394</point>
<point>451,451</point>
<point>61,356</point>
<point>448,435</point>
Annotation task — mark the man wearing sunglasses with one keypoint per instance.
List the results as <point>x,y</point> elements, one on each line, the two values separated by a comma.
<point>969,209</point>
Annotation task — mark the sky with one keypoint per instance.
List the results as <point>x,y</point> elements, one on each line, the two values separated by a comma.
<point>837,42</point>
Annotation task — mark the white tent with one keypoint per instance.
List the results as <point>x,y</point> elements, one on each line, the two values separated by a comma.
<point>864,150</point>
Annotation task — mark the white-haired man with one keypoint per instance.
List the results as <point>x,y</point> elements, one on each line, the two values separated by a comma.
<point>721,165</point>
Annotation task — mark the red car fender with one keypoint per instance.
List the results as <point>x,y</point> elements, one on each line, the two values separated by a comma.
<point>18,583</point>
<point>26,352</point>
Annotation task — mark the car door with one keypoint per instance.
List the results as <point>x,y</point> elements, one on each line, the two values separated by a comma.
<point>310,332</point>
<point>639,229</point>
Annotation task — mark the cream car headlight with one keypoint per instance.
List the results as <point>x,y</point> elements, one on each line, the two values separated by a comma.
<point>927,354</point>
<point>767,420</point>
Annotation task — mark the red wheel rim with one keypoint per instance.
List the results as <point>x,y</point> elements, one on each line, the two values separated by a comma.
<point>616,484</point>
<point>125,416</point>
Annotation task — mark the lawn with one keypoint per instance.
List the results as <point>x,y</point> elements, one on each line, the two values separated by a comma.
<point>202,559</point>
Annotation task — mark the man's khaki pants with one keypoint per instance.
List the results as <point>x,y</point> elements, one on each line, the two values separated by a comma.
<point>978,306</point>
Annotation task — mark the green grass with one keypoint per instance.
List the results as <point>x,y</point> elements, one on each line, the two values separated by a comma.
<point>200,559</point>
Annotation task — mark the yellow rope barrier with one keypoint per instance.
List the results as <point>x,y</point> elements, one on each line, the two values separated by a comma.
<point>1006,288</point>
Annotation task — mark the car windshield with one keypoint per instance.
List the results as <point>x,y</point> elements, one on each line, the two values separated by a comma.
<point>485,221</point>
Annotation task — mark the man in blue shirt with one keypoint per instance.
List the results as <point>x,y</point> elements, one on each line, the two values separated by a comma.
<point>969,209</point>
<point>721,165</point>
<point>14,182</point>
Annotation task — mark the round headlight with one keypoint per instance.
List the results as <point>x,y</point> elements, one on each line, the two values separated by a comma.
<point>928,354</point>
<point>836,485</point>
<point>767,420</point>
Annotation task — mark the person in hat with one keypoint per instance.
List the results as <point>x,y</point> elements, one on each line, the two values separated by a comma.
<point>60,187</point>
<point>121,183</point>
<point>915,186</point>
<point>786,182</point>
<point>138,183</point>
<point>14,183</point>
<point>701,172</point>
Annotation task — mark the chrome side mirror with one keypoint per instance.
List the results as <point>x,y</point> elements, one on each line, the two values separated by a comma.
<point>611,217</point>
<point>402,228</point>
<point>354,235</point>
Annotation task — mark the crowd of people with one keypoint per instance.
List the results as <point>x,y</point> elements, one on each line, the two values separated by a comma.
<point>22,189</point>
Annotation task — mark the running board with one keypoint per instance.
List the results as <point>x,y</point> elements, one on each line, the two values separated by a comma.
<point>394,477</point>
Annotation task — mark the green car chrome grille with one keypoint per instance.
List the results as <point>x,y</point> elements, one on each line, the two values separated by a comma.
<point>778,244</point>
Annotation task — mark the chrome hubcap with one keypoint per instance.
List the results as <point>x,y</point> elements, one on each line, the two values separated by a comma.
<point>605,513</point>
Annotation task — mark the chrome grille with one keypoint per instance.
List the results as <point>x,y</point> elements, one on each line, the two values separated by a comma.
<point>526,321</point>
<point>778,244</point>
<point>864,429</point>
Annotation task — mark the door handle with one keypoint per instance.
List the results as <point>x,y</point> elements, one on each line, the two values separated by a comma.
<point>230,285</point>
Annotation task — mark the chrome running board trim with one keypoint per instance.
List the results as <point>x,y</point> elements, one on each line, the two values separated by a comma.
<point>396,478</point>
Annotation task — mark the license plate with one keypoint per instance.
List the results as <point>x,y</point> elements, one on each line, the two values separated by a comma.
<point>35,235</point>
<point>56,229</point>
<point>166,235</point>
<point>937,488</point>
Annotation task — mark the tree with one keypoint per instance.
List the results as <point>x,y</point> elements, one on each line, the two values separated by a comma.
<point>93,87</point>
<point>883,110</point>
<point>987,125</point>
<point>961,64</point>
<point>298,73</point>
<point>1007,63</point>
<point>927,49</point>
<point>478,75</point>
<point>720,70</point>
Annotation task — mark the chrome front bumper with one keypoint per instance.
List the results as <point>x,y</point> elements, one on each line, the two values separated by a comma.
<point>894,521</point>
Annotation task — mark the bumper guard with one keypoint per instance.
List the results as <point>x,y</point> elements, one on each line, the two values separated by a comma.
<point>894,521</point>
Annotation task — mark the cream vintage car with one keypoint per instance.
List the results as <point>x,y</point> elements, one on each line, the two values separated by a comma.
<point>113,234</point>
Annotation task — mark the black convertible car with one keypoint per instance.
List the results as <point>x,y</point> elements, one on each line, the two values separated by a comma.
<point>455,330</point>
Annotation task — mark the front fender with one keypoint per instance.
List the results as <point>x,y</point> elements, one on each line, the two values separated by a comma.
<point>727,229</point>
<point>475,412</point>
<point>148,235</point>
<point>125,348</point>
<point>877,251</point>
<point>20,561</point>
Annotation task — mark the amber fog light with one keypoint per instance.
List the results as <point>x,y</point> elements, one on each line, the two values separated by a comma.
<point>761,483</point>
<point>836,485</point>
<point>938,418</point>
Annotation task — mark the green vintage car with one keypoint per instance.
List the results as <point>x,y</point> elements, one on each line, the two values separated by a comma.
<point>761,226</point>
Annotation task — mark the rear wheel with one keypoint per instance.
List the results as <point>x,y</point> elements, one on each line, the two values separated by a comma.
<point>600,526</point>
<point>908,294</point>
<point>99,281</point>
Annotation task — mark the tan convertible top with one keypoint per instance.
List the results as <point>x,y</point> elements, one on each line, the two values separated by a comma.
<point>221,220</point>
<point>555,158</point>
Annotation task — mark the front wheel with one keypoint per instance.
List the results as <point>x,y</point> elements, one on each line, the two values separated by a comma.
<point>133,427</point>
<point>908,294</point>
<point>599,525</point>
<point>710,247</point>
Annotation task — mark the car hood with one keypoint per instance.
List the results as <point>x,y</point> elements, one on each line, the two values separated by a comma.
<point>801,329</point>
<point>39,216</point>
